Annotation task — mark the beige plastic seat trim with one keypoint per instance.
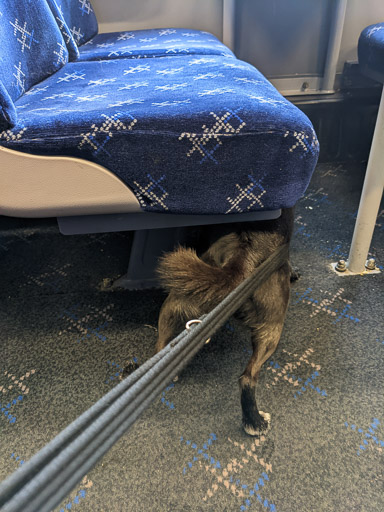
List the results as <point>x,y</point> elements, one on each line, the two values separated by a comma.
<point>50,186</point>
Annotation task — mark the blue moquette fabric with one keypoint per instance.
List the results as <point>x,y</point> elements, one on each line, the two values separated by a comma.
<point>32,48</point>
<point>371,51</point>
<point>64,29</point>
<point>194,134</point>
<point>135,44</point>
<point>152,43</point>
<point>80,19</point>
<point>8,116</point>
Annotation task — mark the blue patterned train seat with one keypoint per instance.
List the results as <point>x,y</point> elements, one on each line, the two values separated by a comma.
<point>77,18</point>
<point>29,52</point>
<point>196,134</point>
<point>371,51</point>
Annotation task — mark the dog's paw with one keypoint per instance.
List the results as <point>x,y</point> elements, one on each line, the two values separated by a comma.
<point>129,367</point>
<point>295,275</point>
<point>262,428</point>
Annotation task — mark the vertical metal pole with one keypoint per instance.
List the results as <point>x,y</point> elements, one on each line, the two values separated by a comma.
<point>334,44</point>
<point>229,23</point>
<point>370,198</point>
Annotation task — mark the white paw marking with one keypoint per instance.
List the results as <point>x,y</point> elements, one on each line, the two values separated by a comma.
<point>255,432</point>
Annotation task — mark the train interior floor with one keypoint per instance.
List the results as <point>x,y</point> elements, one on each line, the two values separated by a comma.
<point>65,335</point>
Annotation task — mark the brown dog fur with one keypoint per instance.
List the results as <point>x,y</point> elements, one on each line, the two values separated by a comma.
<point>196,284</point>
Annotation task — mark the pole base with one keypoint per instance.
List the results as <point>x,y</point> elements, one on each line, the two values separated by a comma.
<point>347,272</point>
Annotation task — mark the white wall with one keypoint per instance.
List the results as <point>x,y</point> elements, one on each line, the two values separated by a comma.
<point>116,15</point>
<point>280,37</point>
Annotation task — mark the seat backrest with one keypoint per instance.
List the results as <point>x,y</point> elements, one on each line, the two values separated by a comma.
<point>64,29</point>
<point>370,51</point>
<point>32,48</point>
<point>80,18</point>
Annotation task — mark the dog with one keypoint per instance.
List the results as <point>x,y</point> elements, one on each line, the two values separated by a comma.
<point>198,278</point>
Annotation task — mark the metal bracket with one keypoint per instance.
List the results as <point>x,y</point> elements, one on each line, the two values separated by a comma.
<point>340,268</point>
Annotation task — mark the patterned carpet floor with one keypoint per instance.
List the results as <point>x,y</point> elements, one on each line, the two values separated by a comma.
<point>64,338</point>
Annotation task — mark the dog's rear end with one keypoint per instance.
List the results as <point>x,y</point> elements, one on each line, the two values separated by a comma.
<point>197,284</point>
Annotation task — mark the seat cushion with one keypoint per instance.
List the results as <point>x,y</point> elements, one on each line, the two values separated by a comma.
<point>79,16</point>
<point>193,135</point>
<point>371,51</point>
<point>152,43</point>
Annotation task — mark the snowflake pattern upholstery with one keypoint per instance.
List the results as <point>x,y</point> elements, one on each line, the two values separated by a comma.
<point>162,42</point>
<point>135,44</point>
<point>8,116</point>
<point>57,12</point>
<point>371,51</point>
<point>193,135</point>
<point>32,48</point>
<point>79,17</point>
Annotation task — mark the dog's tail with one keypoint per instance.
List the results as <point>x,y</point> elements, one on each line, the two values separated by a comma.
<point>183,271</point>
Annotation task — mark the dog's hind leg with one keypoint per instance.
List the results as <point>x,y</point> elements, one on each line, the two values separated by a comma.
<point>264,342</point>
<point>269,306</point>
<point>174,314</point>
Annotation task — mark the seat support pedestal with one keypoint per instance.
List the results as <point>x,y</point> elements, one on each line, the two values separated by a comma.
<point>147,246</point>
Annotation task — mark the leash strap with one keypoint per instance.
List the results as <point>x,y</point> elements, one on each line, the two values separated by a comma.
<point>41,483</point>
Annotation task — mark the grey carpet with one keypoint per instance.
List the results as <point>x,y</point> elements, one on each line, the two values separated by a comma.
<point>63,341</point>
